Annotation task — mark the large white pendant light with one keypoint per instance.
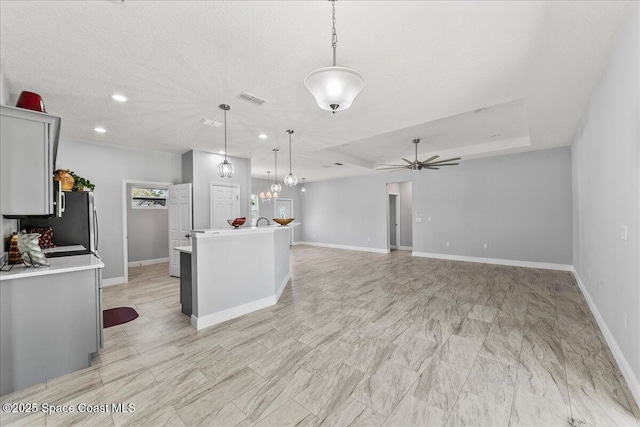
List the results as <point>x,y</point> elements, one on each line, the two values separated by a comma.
<point>335,88</point>
<point>225,169</point>
<point>275,187</point>
<point>290,180</point>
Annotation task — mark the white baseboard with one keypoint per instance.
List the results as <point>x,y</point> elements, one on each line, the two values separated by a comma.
<point>350,248</point>
<point>405,248</point>
<point>297,243</point>
<point>627,372</point>
<point>392,247</point>
<point>282,286</point>
<point>511,262</point>
<point>231,313</point>
<point>148,262</point>
<point>112,281</point>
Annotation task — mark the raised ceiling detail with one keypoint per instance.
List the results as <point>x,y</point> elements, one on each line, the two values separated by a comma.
<point>176,61</point>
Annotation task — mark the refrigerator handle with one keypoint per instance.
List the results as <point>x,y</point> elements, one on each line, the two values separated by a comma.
<point>95,225</point>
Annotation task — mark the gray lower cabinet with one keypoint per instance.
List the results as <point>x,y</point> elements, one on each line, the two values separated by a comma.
<point>50,325</point>
<point>186,298</point>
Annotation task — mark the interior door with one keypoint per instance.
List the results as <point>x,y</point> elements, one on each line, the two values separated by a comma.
<point>225,204</point>
<point>180,215</point>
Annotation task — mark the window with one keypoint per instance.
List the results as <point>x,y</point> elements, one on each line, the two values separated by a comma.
<point>254,209</point>
<point>148,198</point>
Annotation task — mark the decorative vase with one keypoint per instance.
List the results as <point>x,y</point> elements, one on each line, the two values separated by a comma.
<point>65,178</point>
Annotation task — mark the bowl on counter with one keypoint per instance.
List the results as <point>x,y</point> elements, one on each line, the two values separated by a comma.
<point>283,221</point>
<point>237,222</point>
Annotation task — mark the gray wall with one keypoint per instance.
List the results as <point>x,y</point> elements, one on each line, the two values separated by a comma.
<point>147,231</point>
<point>520,205</point>
<point>107,166</point>
<point>606,195</point>
<point>266,208</point>
<point>7,226</point>
<point>200,170</point>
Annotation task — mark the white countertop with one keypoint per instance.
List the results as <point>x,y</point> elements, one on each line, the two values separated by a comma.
<point>184,249</point>
<point>244,230</point>
<point>58,265</point>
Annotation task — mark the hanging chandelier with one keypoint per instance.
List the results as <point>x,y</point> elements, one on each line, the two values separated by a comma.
<point>266,197</point>
<point>275,187</point>
<point>335,87</point>
<point>304,190</point>
<point>225,169</point>
<point>290,180</point>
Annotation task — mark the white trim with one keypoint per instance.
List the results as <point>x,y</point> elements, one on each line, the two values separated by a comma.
<point>627,372</point>
<point>511,262</point>
<point>350,248</point>
<point>148,262</point>
<point>125,203</point>
<point>283,285</point>
<point>297,243</point>
<point>405,248</point>
<point>231,313</point>
<point>113,281</point>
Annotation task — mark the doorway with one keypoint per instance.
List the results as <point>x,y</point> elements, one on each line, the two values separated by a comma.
<point>394,221</point>
<point>283,208</point>
<point>144,225</point>
<point>225,204</point>
<point>400,216</point>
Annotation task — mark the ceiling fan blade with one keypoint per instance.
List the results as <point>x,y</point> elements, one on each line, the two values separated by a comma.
<point>395,168</point>
<point>430,167</point>
<point>447,160</point>
<point>443,164</point>
<point>406,160</point>
<point>398,166</point>
<point>429,159</point>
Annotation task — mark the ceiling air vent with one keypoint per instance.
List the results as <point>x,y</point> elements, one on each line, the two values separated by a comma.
<point>339,164</point>
<point>251,98</point>
<point>209,122</point>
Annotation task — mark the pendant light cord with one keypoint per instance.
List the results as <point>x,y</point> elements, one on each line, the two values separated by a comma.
<point>334,35</point>
<point>289,132</point>
<point>225,135</point>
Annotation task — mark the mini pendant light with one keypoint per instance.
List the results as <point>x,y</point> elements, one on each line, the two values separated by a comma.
<point>268,195</point>
<point>304,190</point>
<point>275,187</point>
<point>225,169</point>
<point>290,180</point>
<point>335,87</point>
<point>262,195</point>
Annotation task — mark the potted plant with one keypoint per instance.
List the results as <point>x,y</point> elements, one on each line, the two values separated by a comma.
<point>81,183</point>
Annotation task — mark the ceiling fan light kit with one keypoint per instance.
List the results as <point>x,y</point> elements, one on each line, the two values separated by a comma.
<point>417,165</point>
<point>334,88</point>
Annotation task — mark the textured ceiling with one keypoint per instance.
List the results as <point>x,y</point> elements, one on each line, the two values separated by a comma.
<point>429,65</point>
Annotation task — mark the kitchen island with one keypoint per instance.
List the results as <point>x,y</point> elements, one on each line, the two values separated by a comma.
<point>235,272</point>
<point>50,320</point>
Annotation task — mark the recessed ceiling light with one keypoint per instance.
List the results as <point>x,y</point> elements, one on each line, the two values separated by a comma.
<point>119,98</point>
<point>262,136</point>
<point>479,110</point>
<point>221,152</point>
<point>100,129</point>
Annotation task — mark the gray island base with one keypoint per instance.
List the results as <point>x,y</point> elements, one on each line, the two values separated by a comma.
<point>235,272</point>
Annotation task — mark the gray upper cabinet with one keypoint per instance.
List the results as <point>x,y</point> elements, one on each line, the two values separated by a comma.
<point>28,147</point>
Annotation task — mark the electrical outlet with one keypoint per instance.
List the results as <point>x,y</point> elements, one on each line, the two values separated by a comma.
<point>429,219</point>
<point>486,246</point>
<point>447,244</point>
<point>368,239</point>
<point>624,232</point>
<point>418,219</point>
<point>624,319</point>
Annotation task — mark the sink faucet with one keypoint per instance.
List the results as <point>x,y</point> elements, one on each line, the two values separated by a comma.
<point>262,217</point>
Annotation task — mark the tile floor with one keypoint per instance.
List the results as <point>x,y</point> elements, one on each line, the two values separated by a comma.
<point>356,339</point>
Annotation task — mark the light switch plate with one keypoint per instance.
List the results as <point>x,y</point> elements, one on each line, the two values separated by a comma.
<point>624,232</point>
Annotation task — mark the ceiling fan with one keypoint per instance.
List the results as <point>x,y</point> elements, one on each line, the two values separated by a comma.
<point>417,165</point>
